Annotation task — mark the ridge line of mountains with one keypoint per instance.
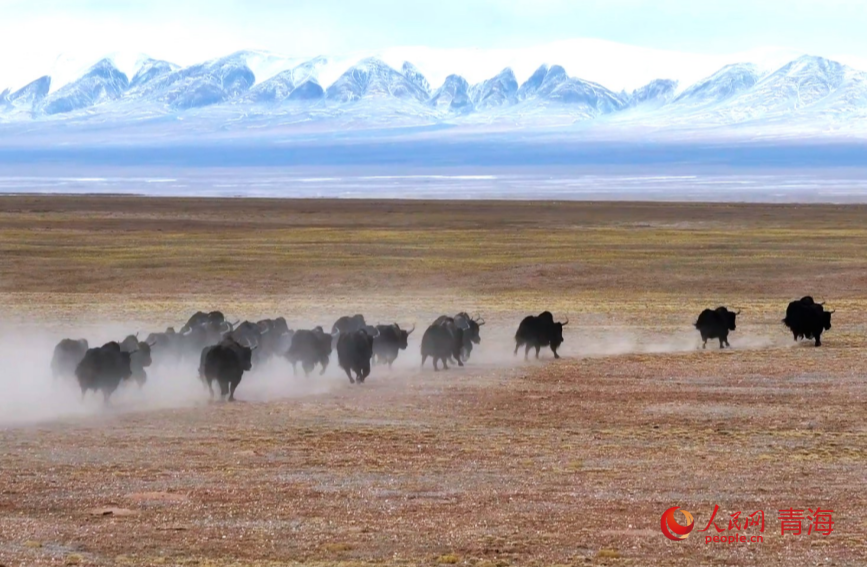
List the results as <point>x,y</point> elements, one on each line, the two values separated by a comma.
<point>808,88</point>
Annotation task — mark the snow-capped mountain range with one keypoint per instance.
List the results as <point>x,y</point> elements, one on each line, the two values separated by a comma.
<point>379,91</point>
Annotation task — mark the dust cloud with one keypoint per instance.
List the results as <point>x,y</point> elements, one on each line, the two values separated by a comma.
<point>31,395</point>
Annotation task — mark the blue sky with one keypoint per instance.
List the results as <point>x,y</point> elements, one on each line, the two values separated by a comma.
<point>34,32</point>
<point>310,27</point>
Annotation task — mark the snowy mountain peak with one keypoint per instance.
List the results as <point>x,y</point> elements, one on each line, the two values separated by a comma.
<point>262,86</point>
<point>655,93</point>
<point>372,78</point>
<point>453,95</point>
<point>150,70</point>
<point>497,91</point>
<point>722,85</point>
<point>415,76</point>
<point>101,83</point>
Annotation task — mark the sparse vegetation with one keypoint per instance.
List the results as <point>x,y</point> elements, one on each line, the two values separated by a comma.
<point>566,463</point>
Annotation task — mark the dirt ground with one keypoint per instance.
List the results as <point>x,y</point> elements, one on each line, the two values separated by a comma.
<point>568,462</point>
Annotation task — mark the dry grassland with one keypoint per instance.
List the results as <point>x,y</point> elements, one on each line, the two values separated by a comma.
<point>502,463</point>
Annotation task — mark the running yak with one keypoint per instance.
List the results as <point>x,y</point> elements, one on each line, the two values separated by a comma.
<point>807,319</point>
<point>443,341</point>
<point>103,369</point>
<point>354,351</point>
<point>139,359</point>
<point>539,331</point>
<point>67,354</point>
<point>311,348</point>
<point>225,363</point>
<point>716,324</point>
<point>391,339</point>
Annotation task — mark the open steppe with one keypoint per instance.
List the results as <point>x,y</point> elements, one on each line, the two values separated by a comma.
<point>503,462</point>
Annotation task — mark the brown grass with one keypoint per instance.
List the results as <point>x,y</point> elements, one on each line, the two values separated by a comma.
<point>538,464</point>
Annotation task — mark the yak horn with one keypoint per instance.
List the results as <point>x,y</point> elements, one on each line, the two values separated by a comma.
<point>151,344</point>
<point>411,330</point>
<point>834,311</point>
<point>567,322</point>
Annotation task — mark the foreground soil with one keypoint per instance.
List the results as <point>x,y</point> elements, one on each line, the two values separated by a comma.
<point>499,463</point>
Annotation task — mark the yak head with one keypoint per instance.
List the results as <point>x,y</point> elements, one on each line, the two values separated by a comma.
<point>731,317</point>
<point>475,326</point>
<point>125,365</point>
<point>246,357</point>
<point>826,320</point>
<point>141,357</point>
<point>403,336</point>
<point>557,333</point>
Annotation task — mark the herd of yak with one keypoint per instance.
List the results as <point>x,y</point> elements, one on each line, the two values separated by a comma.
<point>226,350</point>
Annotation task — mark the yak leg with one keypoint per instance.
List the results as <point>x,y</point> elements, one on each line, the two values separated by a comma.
<point>423,358</point>
<point>517,346</point>
<point>819,338</point>
<point>554,350</point>
<point>460,363</point>
<point>436,369</point>
<point>295,368</point>
<point>390,362</point>
<point>722,342</point>
<point>527,351</point>
<point>704,341</point>
<point>232,387</point>
<point>538,348</point>
<point>324,364</point>
<point>211,388</point>
<point>349,373</point>
<point>224,389</point>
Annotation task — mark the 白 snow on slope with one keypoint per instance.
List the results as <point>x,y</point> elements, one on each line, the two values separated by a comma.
<point>201,85</point>
<point>552,85</point>
<point>729,81</point>
<point>26,98</point>
<point>501,90</point>
<point>151,70</point>
<point>806,85</point>
<point>101,83</point>
<point>297,84</point>
<point>655,94</point>
<point>453,95</point>
<point>372,78</point>
<point>414,76</point>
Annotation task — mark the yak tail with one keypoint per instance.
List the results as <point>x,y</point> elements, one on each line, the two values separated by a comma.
<point>695,324</point>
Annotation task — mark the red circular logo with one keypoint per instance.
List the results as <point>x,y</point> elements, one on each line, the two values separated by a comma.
<point>671,529</point>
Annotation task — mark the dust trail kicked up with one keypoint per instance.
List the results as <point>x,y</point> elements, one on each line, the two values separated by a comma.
<point>31,395</point>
